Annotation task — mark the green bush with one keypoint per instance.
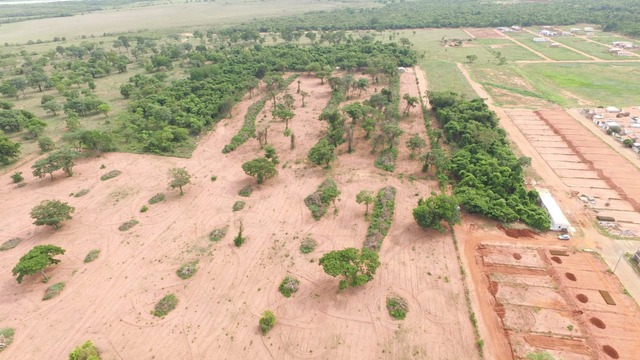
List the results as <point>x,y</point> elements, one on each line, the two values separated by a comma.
<point>81,193</point>
<point>187,270</point>
<point>53,291</point>
<point>289,286</point>
<point>397,307</point>
<point>159,197</point>
<point>382,217</point>
<point>91,256</point>
<point>308,245</point>
<point>87,351</point>
<point>387,159</point>
<point>267,322</point>
<point>319,201</point>
<point>144,209</point>
<point>128,225</point>
<point>10,244</point>
<point>246,191</point>
<point>248,129</point>
<point>110,175</point>
<point>217,234</point>
<point>17,177</point>
<point>6,334</point>
<point>238,205</point>
<point>165,305</point>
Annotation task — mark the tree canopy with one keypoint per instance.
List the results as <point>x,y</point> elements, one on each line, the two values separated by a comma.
<point>179,177</point>
<point>356,266</point>
<point>431,211</point>
<point>52,213</point>
<point>261,168</point>
<point>36,260</point>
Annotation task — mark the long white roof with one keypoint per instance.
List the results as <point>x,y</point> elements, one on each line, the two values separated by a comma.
<point>557,216</point>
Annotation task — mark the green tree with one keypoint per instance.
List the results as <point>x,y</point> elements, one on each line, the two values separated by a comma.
<point>61,159</point>
<point>284,114</point>
<point>46,144</point>
<point>356,266</point>
<point>52,213</point>
<point>431,211</point>
<point>37,79</point>
<point>322,153</point>
<point>9,150</point>
<point>179,177</point>
<point>261,168</point>
<point>104,109</point>
<point>86,351</point>
<point>411,101</point>
<point>270,153</point>
<point>472,58</point>
<point>267,322</point>
<point>415,143</point>
<point>367,198</point>
<point>36,260</point>
<point>52,107</point>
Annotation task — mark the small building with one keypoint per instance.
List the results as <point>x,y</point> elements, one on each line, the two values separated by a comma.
<point>625,53</point>
<point>636,148</point>
<point>588,29</point>
<point>539,40</point>
<point>623,44</point>
<point>402,69</point>
<point>516,28</point>
<point>567,33</point>
<point>548,33</point>
<point>612,109</point>
<point>559,222</point>
<point>554,45</point>
<point>615,50</point>
<point>575,29</point>
<point>636,257</point>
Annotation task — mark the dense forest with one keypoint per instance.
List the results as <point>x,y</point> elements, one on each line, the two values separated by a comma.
<point>613,15</point>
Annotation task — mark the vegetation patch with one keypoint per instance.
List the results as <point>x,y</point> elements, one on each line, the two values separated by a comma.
<point>81,193</point>
<point>128,225</point>
<point>165,305</point>
<point>86,351</point>
<point>246,191</point>
<point>319,201</point>
<point>289,286</point>
<point>187,270</point>
<point>267,322</point>
<point>387,159</point>
<point>397,307</point>
<point>308,245</point>
<point>92,256</point>
<point>382,217</point>
<point>53,291</point>
<point>159,197</point>
<point>238,205</point>
<point>10,244</point>
<point>248,129</point>
<point>6,337</point>
<point>217,234</point>
<point>110,175</point>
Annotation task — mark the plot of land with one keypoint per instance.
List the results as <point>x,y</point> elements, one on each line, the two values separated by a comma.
<point>109,300</point>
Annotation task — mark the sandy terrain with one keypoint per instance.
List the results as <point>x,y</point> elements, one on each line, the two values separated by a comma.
<point>109,301</point>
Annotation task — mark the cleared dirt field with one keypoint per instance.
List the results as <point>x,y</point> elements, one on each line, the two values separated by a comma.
<point>109,301</point>
<point>583,162</point>
<point>484,33</point>
<point>545,297</point>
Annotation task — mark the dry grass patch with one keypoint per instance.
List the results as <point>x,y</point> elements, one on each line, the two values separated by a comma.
<point>53,291</point>
<point>238,205</point>
<point>218,234</point>
<point>6,337</point>
<point>187,270</point>
<point>91,256</point>
<point>246,191</point>
<point>81,193</point>
<point>159,197</point>
<point>128,225</point>
<point>289,286</point>
<point>308,245</point>
<point>110,175</point>
<point>397,307</point>
<point>165,305</point>
<point>10,244</point>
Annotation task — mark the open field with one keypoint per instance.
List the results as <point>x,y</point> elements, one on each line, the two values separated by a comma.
<point>546,298</point>
<point>181,15</point>
<point>109,300</point>
<point>591,48</point>
<point>558,53</point>
<point>510,50</point>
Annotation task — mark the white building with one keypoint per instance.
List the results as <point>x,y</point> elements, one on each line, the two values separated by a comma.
<point>559,222</point>
<point>539,39</point>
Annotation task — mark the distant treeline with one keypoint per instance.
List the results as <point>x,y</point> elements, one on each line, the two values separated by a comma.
<point>613,15</point>
<point>20,12</point>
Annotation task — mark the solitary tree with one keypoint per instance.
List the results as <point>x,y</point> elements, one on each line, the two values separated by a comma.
<point>356,266</point>
<point>52,213</point>
<point>61,159</point>
<point>431,211</point>
<point>415,143</point>
<point>367,198</point>
<point>412,101</point>
<point>322,153</point>
<point>9,150</point>
<point>261,168</point>
<point>472,58</point>
<point>86,351</point>
<point>284,114</point>
<point>36,260</point>
<point>52,107</point>
<point>267,322</point>
<point>270,153</point>
<point>303,95</point>
<point>179,178</point>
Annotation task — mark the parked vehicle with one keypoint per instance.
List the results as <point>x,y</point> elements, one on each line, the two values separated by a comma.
<point>564,237</point>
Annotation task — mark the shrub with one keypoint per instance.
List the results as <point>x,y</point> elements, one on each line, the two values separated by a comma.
<point>81,193</point>
<point>110,175</point>
<point>144,208</point>
<point>17,177</point>
<point>387,159</point>
<point>248,128</point>
<point>10,244</point>
<point>159,197</point>
<point>289,286</point>
<point>187,270</point>
<point>267,322</point>
<point>238,205</point>
<point>397,307</point>
<point>128,225</point>
<point>217,234</point>
<point>382,217</point>
<point>246,191</point>
<point>86,351</point>
<point>53,291</point>
<point>319,201</point>
<point>6,337</point>
<point>91,256</point>
<point>165,305</point>
<point>308,245</point>
<point>214,178</point>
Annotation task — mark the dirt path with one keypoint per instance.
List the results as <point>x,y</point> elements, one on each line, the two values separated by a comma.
<point>566,46</point>
<point>603,44</point>
<point>546,59</point>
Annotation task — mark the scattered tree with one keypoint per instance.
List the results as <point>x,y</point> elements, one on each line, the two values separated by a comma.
<point>366,197</point>
<point>472,58</point>
<point>431,211</point>
<point>17,177</point>
<point>412,102</point>
<point>86,351</point>
<point>356,266</point>
<point>52,107</point>
<point>9,150</point>
<point>303,95</point>
<point>267,322</point>
<point>179,178</point>
<point>270,154</point>
<point>415,143</point>
<point>52,213</point>
<point>36,260</point>
<point>322,153</point>
<point>61,159</point>
<point>261,168</point>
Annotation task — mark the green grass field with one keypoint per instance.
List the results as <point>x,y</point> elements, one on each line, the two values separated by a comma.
<point>593,49</point>
<point>559,53</point>
<point>597,84</point>
<point>508,49</point>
